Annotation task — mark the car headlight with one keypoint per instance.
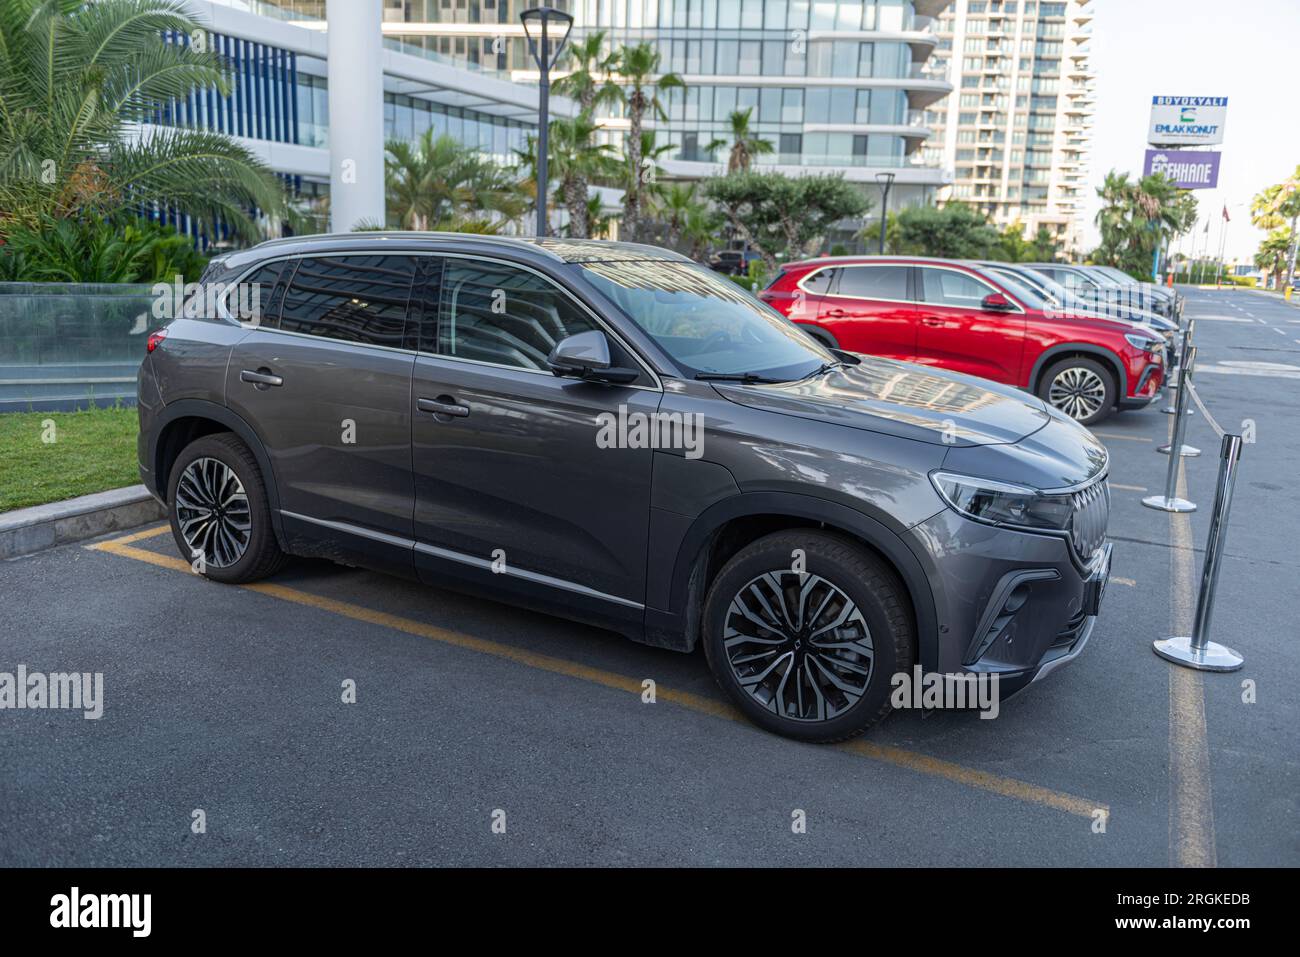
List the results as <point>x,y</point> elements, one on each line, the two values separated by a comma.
<point>1145,343</point>
<point>1005,504</point>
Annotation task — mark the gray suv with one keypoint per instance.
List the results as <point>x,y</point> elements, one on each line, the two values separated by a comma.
<point>613,434</point>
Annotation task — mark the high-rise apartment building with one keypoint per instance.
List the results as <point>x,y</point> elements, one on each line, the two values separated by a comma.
<point>1015,131</point>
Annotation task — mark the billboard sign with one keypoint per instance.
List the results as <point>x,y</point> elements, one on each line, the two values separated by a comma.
<point>1187,120</point>
<point>1189,169</point>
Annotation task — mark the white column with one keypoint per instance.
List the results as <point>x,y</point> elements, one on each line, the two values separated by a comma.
<point>356,98</point>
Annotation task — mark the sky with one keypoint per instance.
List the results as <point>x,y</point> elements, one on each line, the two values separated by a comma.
<point>1246,50</point>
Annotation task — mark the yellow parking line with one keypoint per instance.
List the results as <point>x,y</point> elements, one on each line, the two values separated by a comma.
<point>141,536</point>
<point>1128,488</point>
<point>1191,801</point>
<point>920,763</point>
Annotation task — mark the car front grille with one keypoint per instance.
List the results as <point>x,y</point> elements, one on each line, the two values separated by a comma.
<point>1091,516</point>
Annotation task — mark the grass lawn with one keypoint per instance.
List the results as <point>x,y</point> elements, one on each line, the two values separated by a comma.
<point>92,451</point>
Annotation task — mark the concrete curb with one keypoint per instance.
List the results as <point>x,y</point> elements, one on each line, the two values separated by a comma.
<point>29,530</point>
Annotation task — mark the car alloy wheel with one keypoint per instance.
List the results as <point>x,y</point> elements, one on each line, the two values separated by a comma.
<point>212,512</point>
<point>1078,392</point>
<point>798,645</point>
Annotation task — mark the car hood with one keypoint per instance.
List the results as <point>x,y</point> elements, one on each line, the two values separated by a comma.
<point>904,399</point>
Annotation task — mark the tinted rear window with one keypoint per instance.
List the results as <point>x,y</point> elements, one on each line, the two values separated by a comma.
<point>351,298</point>
<point>874,282</point>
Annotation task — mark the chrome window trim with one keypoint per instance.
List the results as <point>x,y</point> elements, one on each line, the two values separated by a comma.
<point>1020,309</point>
<point>224,312</point>
<point>482,563</point>
<point>835,295</point>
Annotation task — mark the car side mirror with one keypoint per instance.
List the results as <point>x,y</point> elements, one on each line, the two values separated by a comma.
<point>585,355</point>
<point>996,302</point>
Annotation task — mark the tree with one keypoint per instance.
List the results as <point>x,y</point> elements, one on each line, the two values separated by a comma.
<point>1277,206</point>
<point>1137,217</point>
<point>955,231</point>
<point>782,216</point>
<point>689,221</point>
<point>575,160</point>
<point>636,65</point>
<point>442,184</point>
<point>1273,255</point>
<point>77,82</point>
<point>745,145</point>
<point>590,80</point>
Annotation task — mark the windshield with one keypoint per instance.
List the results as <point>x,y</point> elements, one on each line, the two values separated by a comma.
<point>1021,289</point>
<point>706,323</point>
<point>1121,278</point>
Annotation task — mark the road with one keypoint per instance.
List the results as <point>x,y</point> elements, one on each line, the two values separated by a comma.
<point>469,714</point>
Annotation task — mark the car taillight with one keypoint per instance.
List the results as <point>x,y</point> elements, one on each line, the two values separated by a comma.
<point>154,339</point>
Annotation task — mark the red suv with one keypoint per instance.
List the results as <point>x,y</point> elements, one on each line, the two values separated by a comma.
<point>955,316</point>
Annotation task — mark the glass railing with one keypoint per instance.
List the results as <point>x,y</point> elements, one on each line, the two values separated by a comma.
<point>63,344</point>
<point>287,10</point>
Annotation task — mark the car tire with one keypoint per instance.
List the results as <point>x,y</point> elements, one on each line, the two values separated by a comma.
<point>821,335</point>
<point>1080,387</point>
<point>839,574</point>
<point>238,544</point>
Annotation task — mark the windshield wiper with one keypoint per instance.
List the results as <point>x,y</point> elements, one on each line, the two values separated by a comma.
<point>735,377</point>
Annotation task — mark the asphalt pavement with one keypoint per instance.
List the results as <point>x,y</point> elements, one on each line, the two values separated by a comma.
<point>485,735</point>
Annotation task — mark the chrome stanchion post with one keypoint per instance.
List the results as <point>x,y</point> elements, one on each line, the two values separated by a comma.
<point>1184,343</point>
<point>1180,407</point>
<point>1198,651</point>
<point>1170,502</point>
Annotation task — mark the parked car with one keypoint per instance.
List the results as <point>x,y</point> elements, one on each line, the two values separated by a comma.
<point>451,408</point>
<point>1102,292</point>
<point>732,262</point>
<point>1156,291</point>
<point>954,316</point>
<point>1067,305</point>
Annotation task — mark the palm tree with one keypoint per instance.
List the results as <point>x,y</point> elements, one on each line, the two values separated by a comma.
<point>689,220</point>
<point>1273,255</point>
<point>637,66</point>
<point>589,80</point>
<point>1277,206</point>
<point>745,145</point>
<point>1137,216</point>
<point>442,184</point>
<point>575,160</point>
<point>81,85</point>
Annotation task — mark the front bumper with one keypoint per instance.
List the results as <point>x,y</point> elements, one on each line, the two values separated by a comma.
<point>1015,604</point>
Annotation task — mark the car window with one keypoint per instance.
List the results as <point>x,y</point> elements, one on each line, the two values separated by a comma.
<point>1023,289</point>
<point>257,298</point>
<point>350,298</point>
<point>948,287</point>
<point>874,282</point>
<point>706,323</point>
<point>819,282</point>
<point>495,312</point>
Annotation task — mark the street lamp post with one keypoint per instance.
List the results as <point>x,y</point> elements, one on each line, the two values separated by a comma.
<point>885,181</point>
<point>537,23</point>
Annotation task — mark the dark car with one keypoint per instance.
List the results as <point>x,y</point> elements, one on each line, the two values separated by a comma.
<point>732,262</point>
<point>954,315</point>
<point>613,434</point>
<point>1104,293</point>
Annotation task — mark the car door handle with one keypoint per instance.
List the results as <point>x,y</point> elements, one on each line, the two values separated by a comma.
<point>834,313</point>
<point>260,377</point>
<point>443,405</point>
<point>934,321</point>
